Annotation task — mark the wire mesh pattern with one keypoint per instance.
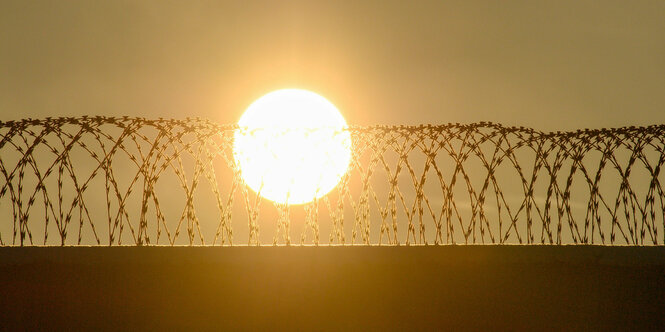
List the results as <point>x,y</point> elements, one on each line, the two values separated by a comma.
<point>136,181</point>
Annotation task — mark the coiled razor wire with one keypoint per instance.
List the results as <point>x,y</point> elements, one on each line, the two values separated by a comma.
<point>136,181</point>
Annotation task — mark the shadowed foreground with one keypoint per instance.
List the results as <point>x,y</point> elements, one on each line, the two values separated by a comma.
<point>331,288</point>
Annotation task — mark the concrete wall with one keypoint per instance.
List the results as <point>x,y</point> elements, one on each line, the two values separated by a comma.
<point>332,288</point>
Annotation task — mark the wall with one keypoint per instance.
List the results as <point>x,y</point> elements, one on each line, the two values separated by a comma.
<point>332,288</point>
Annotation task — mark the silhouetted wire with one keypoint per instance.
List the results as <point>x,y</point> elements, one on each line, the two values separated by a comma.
<point>439,184</point>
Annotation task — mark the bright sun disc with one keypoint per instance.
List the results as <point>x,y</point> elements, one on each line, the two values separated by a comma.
<point>292,146</point>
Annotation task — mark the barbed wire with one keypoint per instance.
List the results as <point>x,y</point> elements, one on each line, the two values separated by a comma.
<point>116,181</point>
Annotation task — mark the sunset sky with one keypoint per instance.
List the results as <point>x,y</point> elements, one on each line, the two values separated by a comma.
<point>294,223</point>
<point>552,65</point>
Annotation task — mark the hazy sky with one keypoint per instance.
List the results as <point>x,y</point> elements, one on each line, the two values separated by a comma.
<point>546,64</point>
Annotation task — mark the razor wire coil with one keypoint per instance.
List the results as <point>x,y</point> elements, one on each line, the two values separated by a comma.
<point>117,181</point>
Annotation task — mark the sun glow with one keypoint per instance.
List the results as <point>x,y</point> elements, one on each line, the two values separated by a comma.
<point>292,146</point>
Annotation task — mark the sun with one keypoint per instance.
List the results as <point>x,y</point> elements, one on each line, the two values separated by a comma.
<point>292,146</point>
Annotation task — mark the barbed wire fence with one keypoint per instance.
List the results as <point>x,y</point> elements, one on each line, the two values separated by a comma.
<point>136,181</point>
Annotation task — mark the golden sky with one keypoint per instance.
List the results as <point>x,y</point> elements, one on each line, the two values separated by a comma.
<point>546,64</point>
